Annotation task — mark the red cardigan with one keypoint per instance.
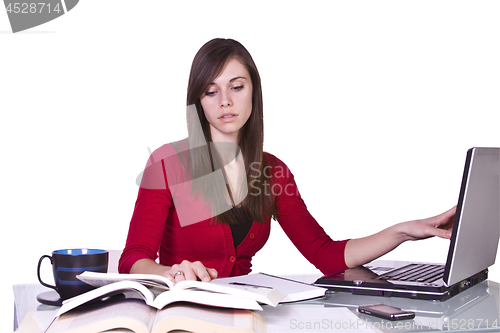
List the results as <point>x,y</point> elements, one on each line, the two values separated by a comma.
<point>155,229</point>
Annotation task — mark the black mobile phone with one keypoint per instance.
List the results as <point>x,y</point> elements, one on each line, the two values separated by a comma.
<point>386,312</point>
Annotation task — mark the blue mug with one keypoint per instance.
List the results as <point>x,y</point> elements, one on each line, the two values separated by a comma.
<point>68,263</point>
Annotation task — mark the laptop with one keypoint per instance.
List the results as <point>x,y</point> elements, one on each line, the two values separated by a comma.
<point>473,245</point>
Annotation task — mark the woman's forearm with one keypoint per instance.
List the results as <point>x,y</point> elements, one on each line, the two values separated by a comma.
<point>189,270</point>
<point>363,250</point>
<point>148,266</point>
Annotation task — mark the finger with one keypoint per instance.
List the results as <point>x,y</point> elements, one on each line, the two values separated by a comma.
<point>204,276</point>
<point>169,276</point>
<point>208,274</point>
<point>178,272</point>
<point>179,276</point>
<point>442,220</point>
<point>448,214</point>
<point>213,273</point>
<point>442,233</point>
<point>188,271</point>
<point>188,274</point>
<point>449,220</point>
<point>202,272</point>
<point>170,273</point>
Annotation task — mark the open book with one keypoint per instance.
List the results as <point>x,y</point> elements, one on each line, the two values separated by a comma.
<point>134,315</point>
<point>164,291</point>
<point>209,308</point>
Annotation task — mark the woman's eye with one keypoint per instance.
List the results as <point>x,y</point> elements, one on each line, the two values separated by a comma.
<point>238,88</point>
<point>210,93</point>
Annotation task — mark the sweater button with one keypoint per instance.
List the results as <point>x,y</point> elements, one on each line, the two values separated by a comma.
<point>251,235</point>
<point>232,259</point>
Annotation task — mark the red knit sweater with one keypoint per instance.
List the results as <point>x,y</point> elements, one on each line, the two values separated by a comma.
<point>155,229</point>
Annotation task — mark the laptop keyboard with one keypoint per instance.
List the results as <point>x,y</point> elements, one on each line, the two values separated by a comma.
<point>415,273</point>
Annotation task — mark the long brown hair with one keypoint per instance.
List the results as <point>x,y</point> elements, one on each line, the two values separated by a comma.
<point>207,65</point>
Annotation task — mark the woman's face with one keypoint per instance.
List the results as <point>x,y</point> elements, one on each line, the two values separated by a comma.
<point>227,102</point>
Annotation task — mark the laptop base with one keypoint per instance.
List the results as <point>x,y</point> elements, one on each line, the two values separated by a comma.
<point>363,281</point>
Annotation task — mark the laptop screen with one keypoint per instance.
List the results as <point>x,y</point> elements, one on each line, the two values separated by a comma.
<point>476,229</point>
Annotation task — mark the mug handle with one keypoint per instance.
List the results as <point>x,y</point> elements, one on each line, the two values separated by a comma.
<point>38,271</point>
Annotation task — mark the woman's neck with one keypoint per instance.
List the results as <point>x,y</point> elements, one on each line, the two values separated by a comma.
<point>224,137</point>
<point>227,151</point>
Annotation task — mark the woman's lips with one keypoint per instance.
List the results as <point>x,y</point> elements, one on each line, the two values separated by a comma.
<point>227,117</point>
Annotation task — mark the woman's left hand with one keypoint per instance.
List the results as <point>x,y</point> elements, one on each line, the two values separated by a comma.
<point>440,226</point>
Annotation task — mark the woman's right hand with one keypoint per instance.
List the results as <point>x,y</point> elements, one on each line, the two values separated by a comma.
<point>190,271</point>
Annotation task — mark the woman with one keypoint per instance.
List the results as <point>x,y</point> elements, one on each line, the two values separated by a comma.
<point>205,203</point>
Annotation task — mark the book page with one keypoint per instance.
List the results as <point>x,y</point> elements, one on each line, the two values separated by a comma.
<point>129,313</point>
<point>262,294</point>
<point>203,318</point>
<point>98,279</point>
<point>106,291</point>
<point>292,290</point>
<point>206,298</point>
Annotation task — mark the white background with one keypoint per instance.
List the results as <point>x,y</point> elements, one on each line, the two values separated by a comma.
<point>372,105</point>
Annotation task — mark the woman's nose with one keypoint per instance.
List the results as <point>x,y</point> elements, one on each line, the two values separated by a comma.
<point>225,100</point>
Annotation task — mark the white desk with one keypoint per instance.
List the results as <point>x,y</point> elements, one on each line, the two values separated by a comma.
<point>476,309</point>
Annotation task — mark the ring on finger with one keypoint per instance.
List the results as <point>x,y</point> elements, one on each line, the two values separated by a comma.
<point>178,273</point>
